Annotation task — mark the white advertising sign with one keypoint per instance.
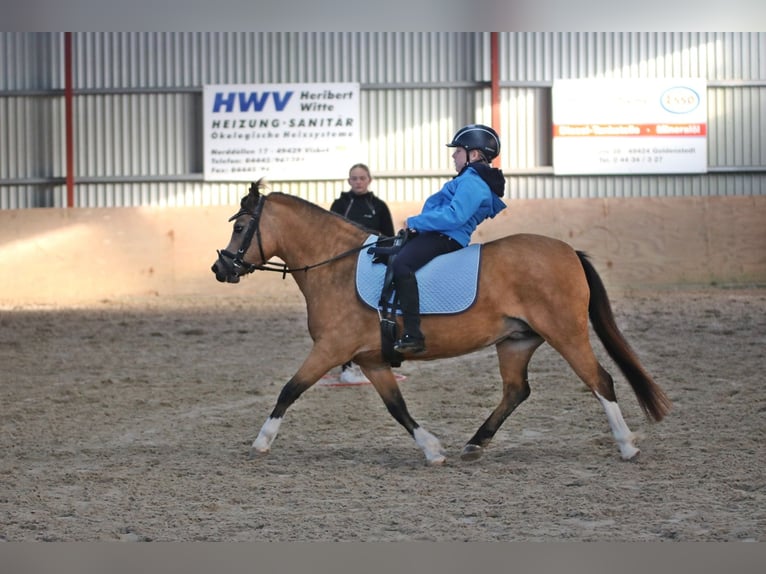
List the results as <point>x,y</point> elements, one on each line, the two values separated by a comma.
<point>280,131</point>
<point>629,126</point>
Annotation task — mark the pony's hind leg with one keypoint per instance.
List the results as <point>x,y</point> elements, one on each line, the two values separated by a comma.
<point>514,356</point>
<point>600,382</point>
<point>565,328</point>
<point>622,434</point>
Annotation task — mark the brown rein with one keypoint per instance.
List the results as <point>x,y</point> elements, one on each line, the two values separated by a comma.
<point>284,269</point>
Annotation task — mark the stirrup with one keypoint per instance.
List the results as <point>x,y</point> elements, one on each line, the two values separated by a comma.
<point>410,344</point>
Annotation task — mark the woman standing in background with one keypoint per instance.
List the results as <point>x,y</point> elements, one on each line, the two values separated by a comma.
<point>362,206</point>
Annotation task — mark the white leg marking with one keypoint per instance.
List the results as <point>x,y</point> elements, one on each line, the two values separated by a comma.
<point>620,429</point>
<point>269,431</point>
<point>430,445</point>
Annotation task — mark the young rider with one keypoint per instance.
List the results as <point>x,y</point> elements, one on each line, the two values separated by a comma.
<point>448,219</point>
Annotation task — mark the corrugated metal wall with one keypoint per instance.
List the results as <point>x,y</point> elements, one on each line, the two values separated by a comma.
<point>31,119</point>
<point>733,63</point>
<point>137,132</point>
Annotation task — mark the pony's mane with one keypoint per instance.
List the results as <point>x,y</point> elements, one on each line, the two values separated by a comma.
<point>256,190</point>
<point>304,203</point>
<point>315,209</point>
<point>248,204</point>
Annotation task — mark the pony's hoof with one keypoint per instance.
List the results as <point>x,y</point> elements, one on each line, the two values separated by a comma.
<point>436,461</point>
<point>631,455</point>
<point>471,452</point>
<point>255,453</point>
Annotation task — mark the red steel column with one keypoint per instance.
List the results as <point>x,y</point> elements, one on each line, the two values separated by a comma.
<point>68,114</point>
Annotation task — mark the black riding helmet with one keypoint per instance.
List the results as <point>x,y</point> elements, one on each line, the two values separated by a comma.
<point>480,137</point>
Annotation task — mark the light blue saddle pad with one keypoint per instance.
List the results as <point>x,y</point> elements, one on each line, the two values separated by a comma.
<point>447,283</point>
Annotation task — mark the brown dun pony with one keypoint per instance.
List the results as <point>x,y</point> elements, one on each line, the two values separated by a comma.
<point>532,290</point>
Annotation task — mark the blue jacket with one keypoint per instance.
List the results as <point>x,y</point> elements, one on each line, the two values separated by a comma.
<point>462,204</point>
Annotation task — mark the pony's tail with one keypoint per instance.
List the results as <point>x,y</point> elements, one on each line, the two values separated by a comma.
<point>652,399</point>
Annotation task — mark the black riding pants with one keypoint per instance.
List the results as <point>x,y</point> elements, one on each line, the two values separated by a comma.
<point>419,250</point>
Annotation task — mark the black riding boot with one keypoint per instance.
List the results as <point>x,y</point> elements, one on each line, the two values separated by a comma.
<point>412,341</point>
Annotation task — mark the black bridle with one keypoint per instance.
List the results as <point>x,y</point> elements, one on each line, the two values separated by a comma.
<point>236,261</point>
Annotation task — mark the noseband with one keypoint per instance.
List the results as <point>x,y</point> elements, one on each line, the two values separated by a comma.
<point>236,261</point>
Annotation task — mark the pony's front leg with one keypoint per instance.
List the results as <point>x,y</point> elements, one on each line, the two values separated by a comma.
<point>262,443</point>
<point>385,383</point>
<point>431,446</point>
<point>289,394</point>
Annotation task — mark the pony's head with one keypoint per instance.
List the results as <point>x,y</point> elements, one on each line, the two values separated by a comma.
<point>231,264</point>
